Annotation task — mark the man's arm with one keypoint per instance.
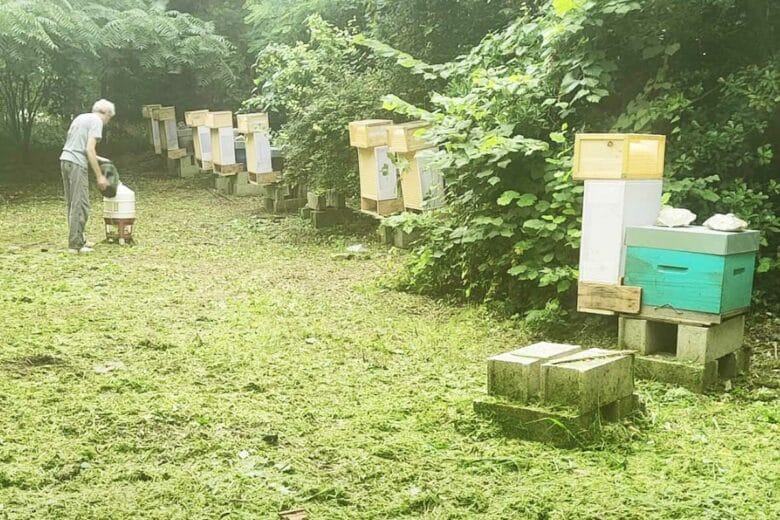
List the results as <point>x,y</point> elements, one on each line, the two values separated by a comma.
<point>92,157</point>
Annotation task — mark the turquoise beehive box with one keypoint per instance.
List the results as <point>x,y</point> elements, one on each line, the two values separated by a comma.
<point>692,268</point>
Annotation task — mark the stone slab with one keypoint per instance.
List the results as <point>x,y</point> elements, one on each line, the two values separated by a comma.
<point>516,375</point>
<point>560,427</point>
<point>705,344</point>
<point>243,188</point>
<point>588,379</point>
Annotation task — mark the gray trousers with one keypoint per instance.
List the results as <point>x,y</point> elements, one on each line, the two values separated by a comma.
<point>75,180</point>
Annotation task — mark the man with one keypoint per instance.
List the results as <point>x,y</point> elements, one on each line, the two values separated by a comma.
<point>78,155</point>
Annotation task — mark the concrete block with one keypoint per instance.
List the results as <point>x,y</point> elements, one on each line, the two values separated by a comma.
<point>705,344</point>
<point>386,235</point>
<point>727,367</point>
<point>243,188</point>
<point>693,376</point>
<point>188,168</point>
<point>588,380</point>
<point>647,337</point>
<point>224,185</point>
<point>331,217</point>
<point>404,240</point>
<point>743,356</point>
<point>516,374</point>
<point>306,213</point>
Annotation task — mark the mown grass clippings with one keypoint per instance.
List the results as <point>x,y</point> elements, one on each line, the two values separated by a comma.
<point>223,409</point>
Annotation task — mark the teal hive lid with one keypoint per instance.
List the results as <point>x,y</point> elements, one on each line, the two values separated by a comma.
<point>693,239</point>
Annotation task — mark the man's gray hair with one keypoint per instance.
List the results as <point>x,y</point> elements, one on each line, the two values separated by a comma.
<point>104,106</point>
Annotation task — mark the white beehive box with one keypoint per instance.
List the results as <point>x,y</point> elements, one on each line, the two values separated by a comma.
<point>201,140</point>
<point>619,156</point>
<point>421,184</point>
<point>609,207</point>
<point>378,174</point>
<point>169,135</point>
<point>258,153</point>
<point>223,147</point>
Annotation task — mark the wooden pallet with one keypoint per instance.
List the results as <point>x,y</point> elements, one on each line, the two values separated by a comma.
<point>226,170</point>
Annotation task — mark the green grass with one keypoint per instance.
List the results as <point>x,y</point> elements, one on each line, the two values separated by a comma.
<point>260,374</point>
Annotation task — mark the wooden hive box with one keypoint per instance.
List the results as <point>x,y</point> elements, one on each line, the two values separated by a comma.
<point>201,142</point>
<point>619,156</point>
<point>222,119</point>
<point>378,182</point>
<point>223,151</point>
<point>169,135</point>
<point>166,113</point>
<point>249,123</point>
<point>693,268</point>
<point>195,118</point>
<point>421,185</point>
<point>369,133</point>
<point>407,137</point>
<point>146,110</point>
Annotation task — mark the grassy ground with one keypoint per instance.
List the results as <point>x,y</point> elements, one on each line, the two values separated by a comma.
<point>259,374</point>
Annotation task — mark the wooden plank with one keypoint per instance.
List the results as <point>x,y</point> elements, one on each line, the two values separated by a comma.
<point>677,316</point>
<point>177,153</point>
<point>617,298</point>
<point>228,169</point>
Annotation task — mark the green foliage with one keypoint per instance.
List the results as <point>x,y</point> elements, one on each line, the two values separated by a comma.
<point>57,57</point>
<point>505,122</point>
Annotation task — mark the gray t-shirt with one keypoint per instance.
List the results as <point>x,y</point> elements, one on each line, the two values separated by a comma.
<point>81,129</point>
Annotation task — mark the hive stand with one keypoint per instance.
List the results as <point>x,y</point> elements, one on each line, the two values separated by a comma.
<point>558,393</point>
<point>694,356</point>
<point>327,209</point>
<point>280,198</point>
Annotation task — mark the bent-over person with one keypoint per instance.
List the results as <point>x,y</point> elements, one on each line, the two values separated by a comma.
<point>78,156</point>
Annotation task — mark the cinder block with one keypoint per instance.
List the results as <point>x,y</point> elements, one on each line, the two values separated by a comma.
<point>386,235</point>
<point>705,344</point>
<point>588,380</point>
<point>695,377</point>
<point>188,168</point>
<point>243,188</point>
<point>743,360</point>
<point>515,374</point>
<point>648,337</point>
<point>727,367</point>
<point>224,185</point>
<point>331,217</point>
<point>306,213</point>
<point>404,240</point>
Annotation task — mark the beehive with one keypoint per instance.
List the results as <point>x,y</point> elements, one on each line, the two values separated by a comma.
<point>619,156</point>
<point>692,269</point>
<point>408,137</point>
<point>195,118</point>
<point>421,185</point>
<point>378,181</point>
<point>258,153</point>
<point>249,123</point>
<point>146,110</point>
<point>169,137</point>
<point>223,150</point>
<point>609,207</point>
<point>219,119</point>
<point>201,141</point>
<point>369,133</point>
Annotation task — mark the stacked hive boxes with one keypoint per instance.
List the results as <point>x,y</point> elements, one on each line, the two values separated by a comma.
<point>201,138</point>
<point>256,128</point>
<point>622,174</point>
<point>153,132</point>
<point>378,175</point>
<point>681,292</point>
<point>223,148</point>
<point>421,185</point>
<point>169,137</point>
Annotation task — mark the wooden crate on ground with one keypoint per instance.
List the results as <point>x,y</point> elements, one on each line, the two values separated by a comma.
<point>250,123</point>
<point>619,156</point>
<point>408,137</point>
<point>369,133</point>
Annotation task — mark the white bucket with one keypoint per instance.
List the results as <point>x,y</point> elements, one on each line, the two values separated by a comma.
<point>122,206</point>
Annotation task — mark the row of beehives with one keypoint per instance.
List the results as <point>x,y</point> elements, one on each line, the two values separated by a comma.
<point>214,142</point>
<point>394,156</point>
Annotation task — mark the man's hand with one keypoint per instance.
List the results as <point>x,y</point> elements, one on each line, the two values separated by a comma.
<point>102,182</point>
